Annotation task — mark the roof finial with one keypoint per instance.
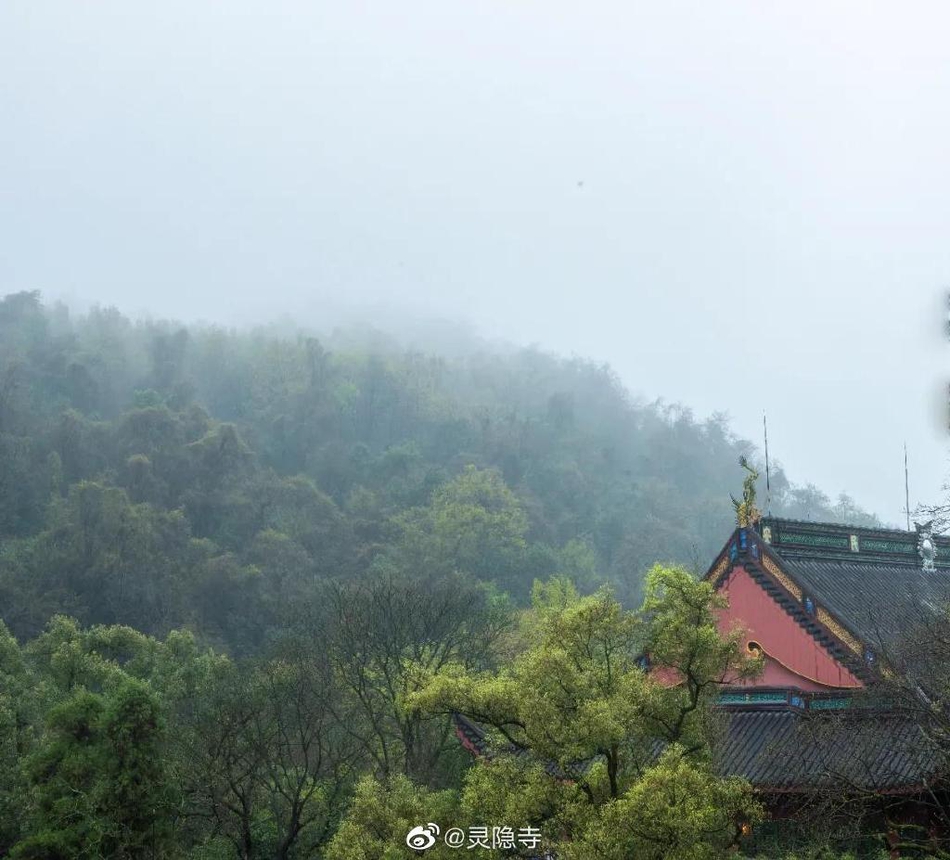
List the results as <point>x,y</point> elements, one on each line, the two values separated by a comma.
<point>926,548</point>
<point>747,514</point>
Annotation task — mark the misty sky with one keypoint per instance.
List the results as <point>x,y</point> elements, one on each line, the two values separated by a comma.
<point>742,206</point>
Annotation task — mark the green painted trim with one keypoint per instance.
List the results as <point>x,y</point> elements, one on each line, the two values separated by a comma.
<point>834,541</point>
<point>829,704</point>
<point>875,545</point>
<point>752,699</point>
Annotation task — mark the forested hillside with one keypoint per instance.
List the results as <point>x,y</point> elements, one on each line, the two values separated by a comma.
<point>245,578</point>
<point>169,477</point>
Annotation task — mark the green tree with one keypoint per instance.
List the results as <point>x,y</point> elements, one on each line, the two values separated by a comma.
<point>264,762</point>
<point>99,780</point>
<point>18,712</point>
<point>382,636</point>
<point>576,722</point>
<point>382,814</point>
<point>677,810</point>
<point>111,560</point>
<point>473,525</point>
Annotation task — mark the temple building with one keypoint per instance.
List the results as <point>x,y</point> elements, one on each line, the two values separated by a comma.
<point>830,609</point>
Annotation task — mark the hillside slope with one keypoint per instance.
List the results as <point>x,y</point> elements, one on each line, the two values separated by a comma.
<point>163,476</point>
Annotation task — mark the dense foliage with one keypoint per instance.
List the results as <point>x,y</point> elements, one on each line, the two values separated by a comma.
<point>245,576</point>
<point>165,477</point>
<point>121,745</point>
<point>620,759</point>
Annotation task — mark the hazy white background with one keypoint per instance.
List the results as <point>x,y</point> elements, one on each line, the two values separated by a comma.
<point>742,206</point>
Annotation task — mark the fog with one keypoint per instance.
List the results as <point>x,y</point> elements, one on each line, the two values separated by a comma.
<point>744,207</point>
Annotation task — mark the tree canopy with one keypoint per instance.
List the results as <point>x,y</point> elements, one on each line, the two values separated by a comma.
<point>165,476</point>
<point>246,578</point>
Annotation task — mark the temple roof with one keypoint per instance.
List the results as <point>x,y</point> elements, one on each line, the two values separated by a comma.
<point>875,601</point>
<point>788,749</point>
<point>854,591</point>
<point>793,743</point>
<point>859,586</point>
<point>833,541</point>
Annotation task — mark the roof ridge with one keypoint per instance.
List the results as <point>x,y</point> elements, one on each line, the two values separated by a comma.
<point>833,542</point>
<point>832,525</point>
<point>849,528</point>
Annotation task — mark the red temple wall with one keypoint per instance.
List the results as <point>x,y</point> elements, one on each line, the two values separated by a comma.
<point>793,657</point>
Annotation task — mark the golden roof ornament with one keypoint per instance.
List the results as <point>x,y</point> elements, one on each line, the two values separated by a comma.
<point>747,514</point>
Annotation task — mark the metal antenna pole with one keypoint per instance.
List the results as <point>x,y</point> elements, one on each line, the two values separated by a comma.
<point>906,489</point>
<point>768,480</point>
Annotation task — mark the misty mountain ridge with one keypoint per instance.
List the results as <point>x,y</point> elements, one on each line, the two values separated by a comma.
<point>163,475</point>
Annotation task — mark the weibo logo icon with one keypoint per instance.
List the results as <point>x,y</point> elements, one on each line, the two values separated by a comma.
<point>422,837</point>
